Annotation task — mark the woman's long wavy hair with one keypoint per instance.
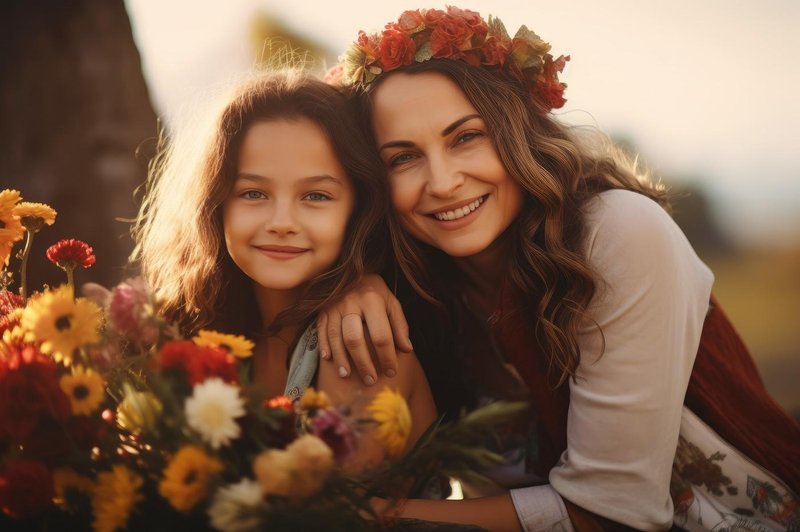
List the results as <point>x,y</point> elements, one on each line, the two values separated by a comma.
<point>179,232</point>
<point>559,173</point>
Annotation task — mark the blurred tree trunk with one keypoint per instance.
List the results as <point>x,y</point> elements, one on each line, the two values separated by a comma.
<point>74,109</point>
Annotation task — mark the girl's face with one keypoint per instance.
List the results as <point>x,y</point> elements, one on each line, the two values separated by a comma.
<point>286,215</point>
<point>448,184</point>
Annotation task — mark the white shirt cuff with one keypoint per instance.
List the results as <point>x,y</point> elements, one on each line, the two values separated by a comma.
<point>541,508</point>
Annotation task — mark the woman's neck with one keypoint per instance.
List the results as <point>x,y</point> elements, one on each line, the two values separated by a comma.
<point>485,273</point>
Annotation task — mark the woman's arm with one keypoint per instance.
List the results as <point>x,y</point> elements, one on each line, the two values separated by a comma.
<point>626,401</point>
<point>367,321</point>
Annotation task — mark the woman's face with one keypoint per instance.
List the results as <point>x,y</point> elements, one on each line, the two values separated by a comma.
<point>448,184</point>
<point>286,215</point>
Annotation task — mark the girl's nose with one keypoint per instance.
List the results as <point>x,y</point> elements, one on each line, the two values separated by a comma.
<point>282,219</point>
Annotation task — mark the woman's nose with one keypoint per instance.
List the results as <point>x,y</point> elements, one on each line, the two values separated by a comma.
<point>445,177</point>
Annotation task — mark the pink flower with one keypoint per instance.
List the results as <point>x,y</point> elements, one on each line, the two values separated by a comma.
<point>334,75</point>
<point>131,311</point>
<point>332,428</point>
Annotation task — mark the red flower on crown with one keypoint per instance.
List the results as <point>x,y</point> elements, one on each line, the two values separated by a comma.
<point>396,47</point>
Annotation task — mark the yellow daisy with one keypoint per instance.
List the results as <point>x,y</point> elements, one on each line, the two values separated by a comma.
<point>116,493</point>
<point>35,213</point>
<point>238,346</point>
<point>187,477</point>
<point>313,399</point>
<point>84,389</point>
<point>61,323</point>
<point>66,480</point>
<point>11,229</point>
<point>390,411</point>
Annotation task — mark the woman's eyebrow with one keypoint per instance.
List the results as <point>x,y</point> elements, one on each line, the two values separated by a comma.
<point>446,131</point>
<point>449,129</point>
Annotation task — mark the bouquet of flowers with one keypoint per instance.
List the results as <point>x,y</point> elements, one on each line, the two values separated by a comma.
<point>110,419</point>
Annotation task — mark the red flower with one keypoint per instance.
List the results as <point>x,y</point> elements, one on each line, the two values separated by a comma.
<point>411,21</point>
<point>70,253</point>
<point>9,301</point>
<point>472,19</point>
<point>548,89</point>
<point>495,51</point>
<point>451,37</point>
<point>198,362</point>
<point>396,48</point>
<point>280,402</point>
<point>28,393</point>
<point>433,17</point>
<point>26,488</point>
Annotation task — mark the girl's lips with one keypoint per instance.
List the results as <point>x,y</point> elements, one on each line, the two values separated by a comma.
<point>281,252</point>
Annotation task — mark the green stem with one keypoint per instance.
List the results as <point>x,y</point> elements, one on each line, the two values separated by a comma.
<point>70,277</point>
<point>23,273</point>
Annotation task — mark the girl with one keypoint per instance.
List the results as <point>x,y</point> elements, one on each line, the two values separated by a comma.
<point>276,215</point>
<point>564,280</point>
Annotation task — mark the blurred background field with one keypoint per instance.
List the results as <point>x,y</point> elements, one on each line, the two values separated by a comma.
<point>703,91</point>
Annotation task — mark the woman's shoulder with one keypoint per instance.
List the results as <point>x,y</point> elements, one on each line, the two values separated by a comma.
<point>623,218</point>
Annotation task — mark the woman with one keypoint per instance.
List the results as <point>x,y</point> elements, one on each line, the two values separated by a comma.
<point>565,281</point>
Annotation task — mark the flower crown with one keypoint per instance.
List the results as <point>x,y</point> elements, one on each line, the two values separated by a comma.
<point>459,34</point>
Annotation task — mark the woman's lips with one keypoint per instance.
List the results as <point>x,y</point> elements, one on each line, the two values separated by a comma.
<point>464,219</point>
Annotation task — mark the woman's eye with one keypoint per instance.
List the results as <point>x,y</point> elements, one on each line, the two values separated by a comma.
<point>252,194</point>
<point>317,196</point>
<point>400,158</point>
<point>467,136</point>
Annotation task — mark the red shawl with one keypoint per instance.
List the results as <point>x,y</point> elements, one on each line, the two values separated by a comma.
<point>725,390</point>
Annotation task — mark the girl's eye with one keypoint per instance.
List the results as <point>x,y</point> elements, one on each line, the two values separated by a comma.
<point>400,158</point>
<point>317,196</point>
<point>252,195</point>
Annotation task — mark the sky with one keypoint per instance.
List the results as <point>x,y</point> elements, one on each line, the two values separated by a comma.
<point>707,90</point>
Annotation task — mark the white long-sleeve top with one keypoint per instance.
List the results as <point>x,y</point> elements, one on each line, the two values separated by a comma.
<point>625,406</point>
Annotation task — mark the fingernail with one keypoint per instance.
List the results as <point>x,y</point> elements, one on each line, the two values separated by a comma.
<point>390,373</point>
<point>324,354</point>
<point>409,344</point>
<point>369,380</point>
<point>342,371</point>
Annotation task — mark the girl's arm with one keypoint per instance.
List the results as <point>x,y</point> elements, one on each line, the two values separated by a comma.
<point>410,382</point>
<point>368,317</point>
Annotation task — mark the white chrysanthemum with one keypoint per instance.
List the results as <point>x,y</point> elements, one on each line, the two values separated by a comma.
<point>236,507</point>
<point>212,411</point>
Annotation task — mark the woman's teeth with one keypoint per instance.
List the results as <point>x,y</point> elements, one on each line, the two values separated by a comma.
<point>460,212</point>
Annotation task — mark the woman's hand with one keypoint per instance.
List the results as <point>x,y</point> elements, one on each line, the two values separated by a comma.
<point>344,338</point>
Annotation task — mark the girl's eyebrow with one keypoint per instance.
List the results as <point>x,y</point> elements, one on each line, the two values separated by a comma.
<point>446,131</point>
<point>310,179</point>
